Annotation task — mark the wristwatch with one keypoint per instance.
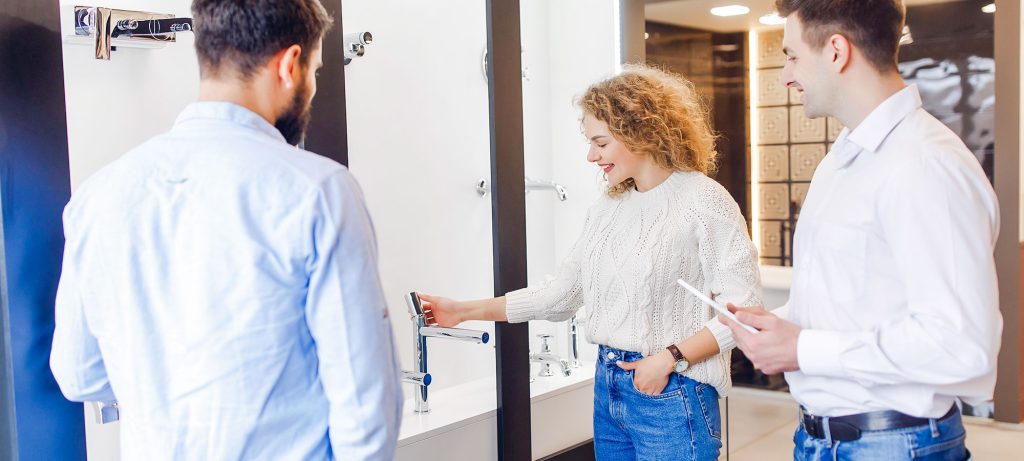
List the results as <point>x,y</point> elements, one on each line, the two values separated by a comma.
<point>681,363</point>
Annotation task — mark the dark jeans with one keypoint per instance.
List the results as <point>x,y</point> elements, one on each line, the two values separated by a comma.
<point>680,424</point>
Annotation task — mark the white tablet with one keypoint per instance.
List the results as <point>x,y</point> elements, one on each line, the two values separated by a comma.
<point>718,307</point>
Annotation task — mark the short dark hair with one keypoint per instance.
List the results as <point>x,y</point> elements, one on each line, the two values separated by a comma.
<point>243,34</point>
<point>874,26</point>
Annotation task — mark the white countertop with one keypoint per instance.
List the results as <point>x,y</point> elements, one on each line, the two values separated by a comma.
<point>776,277</point>
<point>467,403</point>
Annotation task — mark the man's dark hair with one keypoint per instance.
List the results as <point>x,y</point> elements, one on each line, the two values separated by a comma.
<point>240,35</point>
<point>874,26</point>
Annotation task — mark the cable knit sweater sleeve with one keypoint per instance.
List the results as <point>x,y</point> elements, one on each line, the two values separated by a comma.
<point>728,257</point>
<point>560,295</point>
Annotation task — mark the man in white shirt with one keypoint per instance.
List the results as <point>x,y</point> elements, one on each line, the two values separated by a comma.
<point>893,312</point>
<point>222,284</point>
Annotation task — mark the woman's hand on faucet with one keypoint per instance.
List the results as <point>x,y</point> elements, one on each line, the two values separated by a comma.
<point>440,311</point>
<point>449,313</point>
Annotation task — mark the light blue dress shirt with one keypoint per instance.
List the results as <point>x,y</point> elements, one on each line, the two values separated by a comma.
<point>223,287</point>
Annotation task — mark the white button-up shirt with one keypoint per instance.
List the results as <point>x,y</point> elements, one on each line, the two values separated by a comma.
<point>894,281</point>
<point>222,285</point>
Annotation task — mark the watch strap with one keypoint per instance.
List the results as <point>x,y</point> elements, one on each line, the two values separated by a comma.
<point>675,352</point>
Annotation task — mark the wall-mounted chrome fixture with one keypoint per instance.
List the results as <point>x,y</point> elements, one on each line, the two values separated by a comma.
<point>355,45</point>
<point>108,24</point>
<point>547,358</point>
<point>535,184</point>
<point>483,187</point>
<point>421,331</point>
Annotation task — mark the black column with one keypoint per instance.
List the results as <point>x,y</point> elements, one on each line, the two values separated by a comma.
<point>328,130</point>
<point>508,224</point>
<point>36,422</point>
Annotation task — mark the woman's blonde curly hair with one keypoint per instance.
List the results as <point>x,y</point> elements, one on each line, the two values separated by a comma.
<point>654,113</point>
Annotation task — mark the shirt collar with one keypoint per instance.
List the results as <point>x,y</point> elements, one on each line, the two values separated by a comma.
<point>881,121</point>
<point>228,112</point>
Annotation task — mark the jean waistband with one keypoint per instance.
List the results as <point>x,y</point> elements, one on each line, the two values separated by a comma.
<point>610,355</point>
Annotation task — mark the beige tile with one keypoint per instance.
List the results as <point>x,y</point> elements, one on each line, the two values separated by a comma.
<point>769,49</point>
<point>803,129</point>
<point>774,123</point>
<point>804,159</point>
<point>771,239</point>
<point>770,91</point>
<point>774,165</point>
<point>774,201</point>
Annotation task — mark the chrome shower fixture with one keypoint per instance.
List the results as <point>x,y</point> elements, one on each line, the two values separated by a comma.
<point>355,45</point>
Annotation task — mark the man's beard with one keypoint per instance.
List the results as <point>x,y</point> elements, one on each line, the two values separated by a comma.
<point>293,123</point>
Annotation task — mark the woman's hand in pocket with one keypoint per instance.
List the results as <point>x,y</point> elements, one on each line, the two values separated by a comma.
<point>650,374</point>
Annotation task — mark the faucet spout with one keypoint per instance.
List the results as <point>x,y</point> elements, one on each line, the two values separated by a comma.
<point>417,378</point>
<point>461,334</point>
<point>549,359</point>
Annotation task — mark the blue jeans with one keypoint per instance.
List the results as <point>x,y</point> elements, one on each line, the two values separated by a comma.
<point>680,424</point>
<point>941,440</point>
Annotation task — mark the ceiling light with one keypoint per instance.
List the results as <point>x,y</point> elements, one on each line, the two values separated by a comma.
<point>772,19</point>
<point>647,35</point>
<point>990,8</point>
<point>730,10</point>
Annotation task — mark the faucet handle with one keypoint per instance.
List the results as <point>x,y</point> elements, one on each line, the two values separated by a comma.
<point>412,301</point>
<point>544,345</point>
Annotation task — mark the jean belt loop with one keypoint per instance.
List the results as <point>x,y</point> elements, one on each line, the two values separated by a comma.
<point>934,425</point>
<point>828,431</point>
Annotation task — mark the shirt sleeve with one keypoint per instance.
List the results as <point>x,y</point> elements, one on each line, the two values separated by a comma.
<point>75,358</point>
<point>348,318</point>
<point>729,260</point>
<point>559,295</point>
<point>940,220</point>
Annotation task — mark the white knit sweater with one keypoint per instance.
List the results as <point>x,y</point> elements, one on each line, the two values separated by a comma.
<point>625,264</point>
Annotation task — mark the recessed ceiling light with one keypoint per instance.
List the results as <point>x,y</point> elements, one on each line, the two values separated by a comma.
<point>730,10</point>
<point>772,19</point>
<point>990,8</point>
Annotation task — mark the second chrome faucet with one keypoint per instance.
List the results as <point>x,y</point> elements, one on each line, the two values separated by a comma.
<point>422,331</point>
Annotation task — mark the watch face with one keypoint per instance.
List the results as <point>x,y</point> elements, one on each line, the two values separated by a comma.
<point>681,366</point>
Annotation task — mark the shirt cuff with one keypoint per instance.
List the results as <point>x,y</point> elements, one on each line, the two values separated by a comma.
<point>818,353</point>
<point>519,306</point>
<point>722,333</point>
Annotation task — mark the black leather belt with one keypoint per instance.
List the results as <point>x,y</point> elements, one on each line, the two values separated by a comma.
<point>850,427</point>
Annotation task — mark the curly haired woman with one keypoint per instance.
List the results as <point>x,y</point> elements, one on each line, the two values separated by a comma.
<point>663,361</point>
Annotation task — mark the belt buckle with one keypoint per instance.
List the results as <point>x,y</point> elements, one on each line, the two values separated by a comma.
<point>812,426</point>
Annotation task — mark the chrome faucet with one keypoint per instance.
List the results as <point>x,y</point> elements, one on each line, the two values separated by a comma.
<point>560,191</point>
<point>417,378</point>
<point>574,341</point>
<point>421,331</point>
<point>547,358</point>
